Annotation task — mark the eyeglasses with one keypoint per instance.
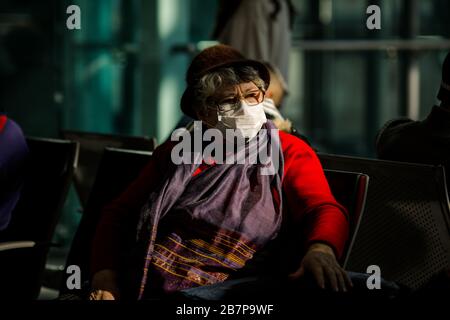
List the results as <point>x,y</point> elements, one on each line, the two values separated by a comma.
<point>231,105</point>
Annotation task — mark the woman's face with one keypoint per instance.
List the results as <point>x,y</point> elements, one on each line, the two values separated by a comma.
<point>227,95</point>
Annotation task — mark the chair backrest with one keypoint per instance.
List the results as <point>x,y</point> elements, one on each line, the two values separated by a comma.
<point>350,190</point>
<point>405,226</point>
<point>49,173</point>
<point>118,168</point>
<point>91,151</point>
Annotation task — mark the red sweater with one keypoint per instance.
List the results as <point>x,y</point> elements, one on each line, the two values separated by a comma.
<point>307,196</point>
<point>2,122</point>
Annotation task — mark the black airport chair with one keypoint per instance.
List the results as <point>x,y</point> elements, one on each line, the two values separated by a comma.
<point>24,245</point>
<point>109,184</point>
<point>91,151</point>
<point>405,225</point>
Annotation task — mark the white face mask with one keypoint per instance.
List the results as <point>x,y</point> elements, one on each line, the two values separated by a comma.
<point>248,120</point>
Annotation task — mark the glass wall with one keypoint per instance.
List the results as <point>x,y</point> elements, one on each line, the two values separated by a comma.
<point>100,65</point>
<point>349,80</point>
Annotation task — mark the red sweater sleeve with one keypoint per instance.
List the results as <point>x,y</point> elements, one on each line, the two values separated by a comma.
<point>2,122</point>
<point>308,197</point>
<point>107,240</point>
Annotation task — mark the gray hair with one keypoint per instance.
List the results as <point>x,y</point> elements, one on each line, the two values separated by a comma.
<point>211,82</point>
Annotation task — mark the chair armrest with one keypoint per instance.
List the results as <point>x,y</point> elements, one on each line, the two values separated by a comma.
<point>12,245</point>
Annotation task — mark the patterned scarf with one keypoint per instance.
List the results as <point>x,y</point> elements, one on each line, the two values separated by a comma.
<point>196,229</point>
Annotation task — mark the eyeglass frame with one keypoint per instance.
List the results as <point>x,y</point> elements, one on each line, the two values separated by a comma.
<point>235,105</point>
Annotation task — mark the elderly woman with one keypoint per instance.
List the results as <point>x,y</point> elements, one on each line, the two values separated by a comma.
<point>205,224</point>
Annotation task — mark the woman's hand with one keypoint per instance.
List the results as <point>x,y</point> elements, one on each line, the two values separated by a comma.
<point>104,286</point>
<point>321,262</point>
<point>101,295</point>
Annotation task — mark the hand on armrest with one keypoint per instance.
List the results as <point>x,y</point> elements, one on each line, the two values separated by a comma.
<point>321,263</point>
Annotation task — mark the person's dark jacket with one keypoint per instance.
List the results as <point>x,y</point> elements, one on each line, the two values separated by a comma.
<point>13,156</point>
<point>426,141</point>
